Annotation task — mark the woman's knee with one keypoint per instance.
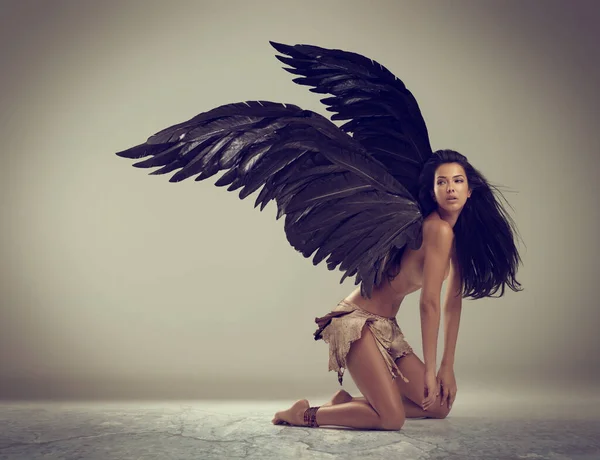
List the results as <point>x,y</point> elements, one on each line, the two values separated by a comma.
<point>441,412</point>
<point>393,419</point>
<point>393,423</point>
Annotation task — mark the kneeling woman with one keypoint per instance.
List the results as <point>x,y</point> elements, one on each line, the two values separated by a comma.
<point>468,239</point>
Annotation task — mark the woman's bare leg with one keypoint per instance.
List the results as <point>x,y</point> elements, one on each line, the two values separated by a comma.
<point>411,409</point>
<point>367,367</point>
<point>414,390</point>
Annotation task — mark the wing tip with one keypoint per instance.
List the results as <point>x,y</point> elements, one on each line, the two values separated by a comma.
<point>281,47</point>
<point>136,152</point>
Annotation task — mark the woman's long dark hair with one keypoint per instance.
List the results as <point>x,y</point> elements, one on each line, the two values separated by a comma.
<point>484,232</point>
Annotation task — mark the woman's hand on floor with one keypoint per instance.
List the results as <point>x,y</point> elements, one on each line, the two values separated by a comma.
<point>447,385</point>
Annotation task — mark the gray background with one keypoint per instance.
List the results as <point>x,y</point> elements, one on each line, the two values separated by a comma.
<point>119,284</point>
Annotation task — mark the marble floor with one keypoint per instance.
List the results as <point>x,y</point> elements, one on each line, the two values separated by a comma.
<point>482,426</point>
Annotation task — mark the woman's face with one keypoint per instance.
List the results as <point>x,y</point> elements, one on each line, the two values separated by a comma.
<point>450,187</point>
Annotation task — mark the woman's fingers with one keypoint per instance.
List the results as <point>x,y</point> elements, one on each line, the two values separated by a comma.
<point>451,400</point>
<point>425,401</point>
<point>430,398</point>
<point>431,392</point>
<point>448,398</point>
<point>430,401</point>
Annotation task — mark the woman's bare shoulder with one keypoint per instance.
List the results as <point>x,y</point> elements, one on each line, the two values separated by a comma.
<point>436,227</point>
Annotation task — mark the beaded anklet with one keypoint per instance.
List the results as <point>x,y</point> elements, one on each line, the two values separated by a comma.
<point>310,417</point>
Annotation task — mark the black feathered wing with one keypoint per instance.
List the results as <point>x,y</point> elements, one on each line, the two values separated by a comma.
<point>384,115</point>
<point>338,201</point>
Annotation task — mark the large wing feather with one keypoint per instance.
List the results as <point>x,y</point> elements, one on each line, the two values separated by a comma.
<point>383,114</point>
<point>337,200</point>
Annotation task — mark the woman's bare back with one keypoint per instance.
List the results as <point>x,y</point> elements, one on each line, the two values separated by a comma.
<point>386,299</point>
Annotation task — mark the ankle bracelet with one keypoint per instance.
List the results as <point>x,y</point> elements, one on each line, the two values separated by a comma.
<point>310,417</point>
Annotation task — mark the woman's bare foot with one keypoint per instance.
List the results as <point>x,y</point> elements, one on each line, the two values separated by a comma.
<point>342,396</point>
<point>293,416</point>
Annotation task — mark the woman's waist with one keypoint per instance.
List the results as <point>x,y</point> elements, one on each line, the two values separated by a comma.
<point>388,311</point>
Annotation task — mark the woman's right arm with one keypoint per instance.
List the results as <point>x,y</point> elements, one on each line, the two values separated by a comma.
<point>437,240</point>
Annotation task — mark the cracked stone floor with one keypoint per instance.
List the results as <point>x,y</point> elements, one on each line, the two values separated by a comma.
<point>478,428</point>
